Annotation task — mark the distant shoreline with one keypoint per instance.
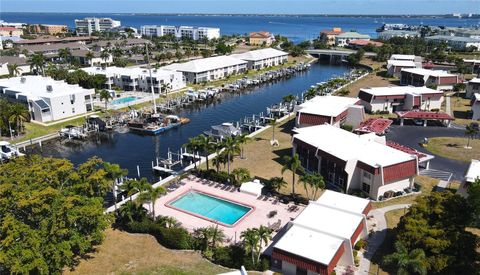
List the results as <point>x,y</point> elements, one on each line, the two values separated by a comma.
<point>474,16</point>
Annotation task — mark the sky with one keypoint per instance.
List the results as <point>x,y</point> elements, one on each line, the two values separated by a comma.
<point>245,6</point>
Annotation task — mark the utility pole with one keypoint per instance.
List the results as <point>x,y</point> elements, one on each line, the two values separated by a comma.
<point>151,80</point>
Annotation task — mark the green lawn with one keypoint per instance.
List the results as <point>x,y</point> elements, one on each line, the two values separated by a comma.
<point>34,130</point>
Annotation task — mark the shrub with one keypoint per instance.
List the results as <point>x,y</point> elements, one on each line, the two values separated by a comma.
<point>435,110</point>
<point>263,265</point>
<point>175,238</point>
<point>347,127</point>
<point>232,256</point>
<point>360,244</point>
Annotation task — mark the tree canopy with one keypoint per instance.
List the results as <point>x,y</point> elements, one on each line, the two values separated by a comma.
<point>51,213</point>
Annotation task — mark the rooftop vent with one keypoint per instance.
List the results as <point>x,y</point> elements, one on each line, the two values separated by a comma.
<point>49,88</point>
<point>23,79</point>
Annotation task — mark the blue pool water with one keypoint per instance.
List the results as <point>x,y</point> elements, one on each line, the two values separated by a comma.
<point>211,207</point>
<point>124,100</point>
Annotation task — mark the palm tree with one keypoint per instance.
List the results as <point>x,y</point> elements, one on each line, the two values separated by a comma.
<point>194,146</point>
<point>251,241</point>
<point>219,160</point>
<point>314,181</point>
<point>37,63</point>
<point>89,56</point>
<point>288,98</point>
<point>104,55</point>
<point>14,69</point>
<point>265,235</point>
<point>151,195</point>
<point>242,140</point>
<point>273,123</point>
<point>134,186</point>
<point>207,145</point>
<point>106,96</point>
<point>412,262</point>
<point>216,236</point>
<point>470,132</point>
<point>311,93</point>
<point>114,173</point>
<point>166,87</point>
<point>293,164</point>
<point>275,184</point>
<point>241,174</point>
<point>65,54</point>
<point>168,221</point>
<point>18,114</point>
<point>231,148</point>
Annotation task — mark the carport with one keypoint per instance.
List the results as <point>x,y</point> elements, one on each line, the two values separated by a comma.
<point>425,116</point>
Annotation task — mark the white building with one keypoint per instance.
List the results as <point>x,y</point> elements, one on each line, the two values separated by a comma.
<point>473,87</point>
<point>456,42</point>
<point>21,62</point>
<point>322,236</point>
<point>355,162</point>
<point>388,34</point>
<point>208,69</point>
<point>262,58</point>
<point>400,98</point>
<point>394,67</point>
<point>343,39</point>
<point>422,77</point>
<point>473,174</point>
<point>334,110</point>
<point>476,107</point>
<point>138,79</point>
<point>92,24</point>
<point>81,56</point>
<point>179,32</point>
<point>47,99</point>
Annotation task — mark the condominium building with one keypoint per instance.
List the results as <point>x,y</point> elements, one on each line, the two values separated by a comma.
<point>8,32</point>
<point>47,29</point>
<point>180,32</point>
<point>386,35</point>
<point>138,79</point>
<point>262,58</point>
<point>323,236</point>
<point>400,98</point>
<point>456,42</point>
<point>92,24</point>
<point>398,62</point>
<point>355,162</point>
<point>47,99</point>
<point>208,69</point>
<point>422,77</point>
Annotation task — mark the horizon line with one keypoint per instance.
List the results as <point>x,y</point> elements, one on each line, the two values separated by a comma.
<point>284,14</point>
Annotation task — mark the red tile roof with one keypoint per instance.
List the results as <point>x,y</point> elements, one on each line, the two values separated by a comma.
<point>424,115</point>
<point>375,125</point>
<point>405,149</point>
<point>334,31</point>
<point>8,29</point>
<point>364,42</point>
<point>260,35</point>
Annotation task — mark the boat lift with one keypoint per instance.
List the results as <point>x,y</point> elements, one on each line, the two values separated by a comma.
<point>165,165</point>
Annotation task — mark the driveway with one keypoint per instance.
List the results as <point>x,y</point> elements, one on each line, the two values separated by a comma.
<point>412,135</point>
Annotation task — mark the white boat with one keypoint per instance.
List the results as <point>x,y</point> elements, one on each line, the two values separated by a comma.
<point>72,132</point>
<point>224,130</point>
<point>192,95</point>
<point>8,151</point>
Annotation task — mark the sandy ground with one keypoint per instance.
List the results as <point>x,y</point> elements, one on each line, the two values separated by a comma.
<point>375,79</point>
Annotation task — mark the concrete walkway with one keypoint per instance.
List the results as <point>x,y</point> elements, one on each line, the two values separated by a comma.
<point>378,237</point>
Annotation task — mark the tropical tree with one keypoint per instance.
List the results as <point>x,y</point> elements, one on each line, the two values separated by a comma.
<point>151,195</point>
<point>105,55</point>
<point>242,140</point>
<point>231,148</point>
<point>193,145</point>
<point>166,87</point>
<point>168,221</point>
<point>241,175</point>
<point>89,57</point>
<point>314,181</point>
<point>311,93</point>
<point>275,184</point>
<point>114,174</point>
<point>130,212</point>
<point>251,241</point>
<point>471,132</point>
<point>14,69</point>
<point>406,262</point>
<point>220,159</point>
<point>18,114</point>
<point>105,96</point>
<point>264,235</point>
<point>288,98</point>
<point>134,186</point>
<point>207,145</point>
<point>208,237</point>
<point>294,165</point>
<point>37,63</point>
<point>65,54</point>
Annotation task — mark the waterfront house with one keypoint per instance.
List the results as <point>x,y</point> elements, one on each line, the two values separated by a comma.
<point>92,24</point>
<point>455,42</point>
<point>138,79</point>
<point>388,34</point>
<point>418,77</point>
<point>328,36</point>
<point>208,69</point>
<point>47,99</point>
<point>261,39</point>
<point>400,98</point>
<point>472,174</point>
<point>262,58</point>
<point>21,62</point>
<point>334,110</point>
<point>322,237</point>
<point>343,39</point>
<point>180,32</point>
<point>476,106</point>
<point>472,88</point>
<point>355,162</point>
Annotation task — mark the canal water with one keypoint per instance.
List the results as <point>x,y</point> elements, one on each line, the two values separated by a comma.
<point>130,149</point>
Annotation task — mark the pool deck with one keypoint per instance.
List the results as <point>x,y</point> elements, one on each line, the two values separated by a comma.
<point>253,219</point>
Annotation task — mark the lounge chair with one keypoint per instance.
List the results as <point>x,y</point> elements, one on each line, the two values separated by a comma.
<point>272,214</point>
<point>233,189</point>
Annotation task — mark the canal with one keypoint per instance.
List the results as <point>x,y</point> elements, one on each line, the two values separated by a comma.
<point>130,149</point>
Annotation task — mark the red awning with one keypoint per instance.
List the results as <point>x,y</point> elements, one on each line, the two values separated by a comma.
<point>374,125</point>
<point>424,115</point>
<point>405,149</point>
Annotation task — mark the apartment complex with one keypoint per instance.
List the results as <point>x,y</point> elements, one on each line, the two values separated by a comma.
<point>262,58</point>
<point>422,77</point>
<point>456,42</point>
<point>398,62</point>
<point>180,32</point>
<point>400,98</point>
<point>7,32</point>
<point>208,69</point>
<point>138,79</point>
<point>47,99</point>
<point>388,34</point>
<point>355,162</point>
<point>47,29</point>
<point>333,110</point>
<point>92,24</point>
<point>261,39</point>
<point>322,237</point>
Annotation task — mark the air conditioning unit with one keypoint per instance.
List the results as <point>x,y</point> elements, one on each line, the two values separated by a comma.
<point>49,88</point>
<point>23,79</point>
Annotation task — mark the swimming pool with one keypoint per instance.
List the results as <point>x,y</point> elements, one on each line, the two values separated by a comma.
<point>124,100</point>
<point>210,208</point>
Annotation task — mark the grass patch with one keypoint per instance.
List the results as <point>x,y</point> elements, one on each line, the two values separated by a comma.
<point>374,79</point>
<point>36,130</point>
<point>454,148</point>
<point>124,253</point>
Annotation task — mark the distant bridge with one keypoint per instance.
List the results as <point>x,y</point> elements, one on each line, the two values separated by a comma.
<point>335,54</point>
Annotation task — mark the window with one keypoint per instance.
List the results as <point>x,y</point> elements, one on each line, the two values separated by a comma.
<point>366,187</point>
<point>87,97</point>
<point>367,175</point>
<point>73,110</point>
<point>301,271</point>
